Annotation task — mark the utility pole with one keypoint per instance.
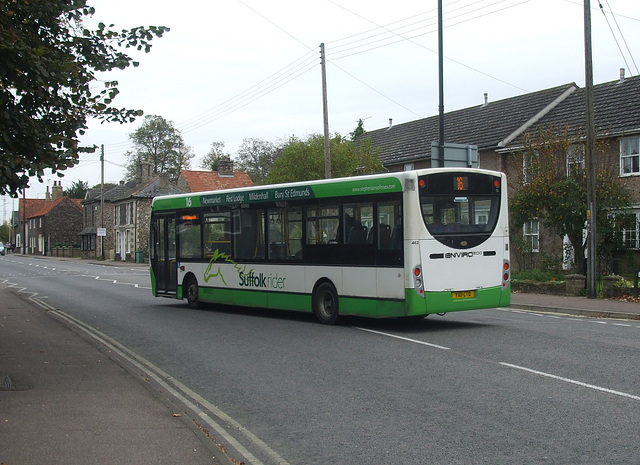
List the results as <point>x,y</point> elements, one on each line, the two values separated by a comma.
<point>590,155</point>
<point>441,81</point>
<point>24,220</point>
<point>102,198</point>
<point>325,113</point>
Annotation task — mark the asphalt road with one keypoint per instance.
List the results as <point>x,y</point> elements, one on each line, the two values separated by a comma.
<point>488,386</point>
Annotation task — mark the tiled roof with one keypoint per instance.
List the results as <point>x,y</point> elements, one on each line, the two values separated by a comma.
<point>156,187</point>
<point>484,125</point>
<point>501,123</point>
<point>201,181</point>
<point>134,189</point>
<point>616,109</point>
<point>28,207</point>
<point>48,205</point>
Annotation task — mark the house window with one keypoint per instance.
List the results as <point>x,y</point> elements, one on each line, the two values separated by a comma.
<point>131,212</point>
<point>527,169</point>
<point>575,159</point>
<point>629,157</point>
<point>531,234</point>
<point>409,167</point>
<point>631,235</point>
<point>122,214</point>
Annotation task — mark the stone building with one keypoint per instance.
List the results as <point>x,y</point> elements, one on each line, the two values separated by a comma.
<point>126,214</point>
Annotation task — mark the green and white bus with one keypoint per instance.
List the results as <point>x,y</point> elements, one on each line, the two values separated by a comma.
<point>404,244</point>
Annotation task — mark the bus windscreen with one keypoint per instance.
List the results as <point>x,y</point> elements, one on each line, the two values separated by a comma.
<point>460,209</point>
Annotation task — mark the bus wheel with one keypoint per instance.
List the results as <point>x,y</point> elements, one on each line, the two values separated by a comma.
<point>325,304</point>
<point>192,292</point>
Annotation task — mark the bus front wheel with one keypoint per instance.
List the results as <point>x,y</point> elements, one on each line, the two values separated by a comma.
<point>325,304</point>
<point>192,293</point>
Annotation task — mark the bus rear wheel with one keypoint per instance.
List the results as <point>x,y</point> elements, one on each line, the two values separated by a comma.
<point>325,304</point>
<point>192,292</point>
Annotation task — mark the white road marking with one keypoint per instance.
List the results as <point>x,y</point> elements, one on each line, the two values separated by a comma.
<point>572,381</point>
<point>415,341</point>
<point>188,397</point>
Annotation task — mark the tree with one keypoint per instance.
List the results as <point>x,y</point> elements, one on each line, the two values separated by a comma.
<point>358,131</point>
<point>256,157</point>
<point>156,141</point>
<point>552,189</point>
<point>303,160</point>
<point>215,154</point>
<point>48,66</point>
<point>78,190</point>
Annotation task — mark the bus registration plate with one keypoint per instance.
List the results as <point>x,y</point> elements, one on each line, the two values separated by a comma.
<point>463,294</point>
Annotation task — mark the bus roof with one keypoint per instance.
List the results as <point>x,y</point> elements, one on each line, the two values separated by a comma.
<point>321,188</point>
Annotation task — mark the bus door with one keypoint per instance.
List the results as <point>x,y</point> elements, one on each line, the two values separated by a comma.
<point>163,260</point>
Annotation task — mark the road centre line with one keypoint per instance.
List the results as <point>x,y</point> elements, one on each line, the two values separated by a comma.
<point>572,381</point>
<point>415,341</point>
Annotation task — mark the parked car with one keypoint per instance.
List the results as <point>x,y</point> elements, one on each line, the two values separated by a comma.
<point>1,248</point>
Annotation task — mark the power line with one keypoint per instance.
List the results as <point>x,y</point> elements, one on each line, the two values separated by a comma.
<point>402,38</point>
<point>621,35</point>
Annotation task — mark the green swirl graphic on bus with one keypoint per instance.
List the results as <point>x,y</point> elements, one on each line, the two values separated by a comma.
<point>221,256</point>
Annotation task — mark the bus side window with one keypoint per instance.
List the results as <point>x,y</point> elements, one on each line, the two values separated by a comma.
<point>389,226</point>
<point>217,233</point>
<point>189,237</point>
<point>285,233</point>
<point>323,225</point>
<point>357,222</point>
<point>248,228</point>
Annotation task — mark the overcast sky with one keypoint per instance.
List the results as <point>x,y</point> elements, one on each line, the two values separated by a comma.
<point>235,69</point>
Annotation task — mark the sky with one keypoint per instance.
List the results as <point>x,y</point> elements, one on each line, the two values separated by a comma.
<point>231,70</point>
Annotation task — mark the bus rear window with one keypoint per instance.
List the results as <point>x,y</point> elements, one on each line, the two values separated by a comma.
<point>460,210</point>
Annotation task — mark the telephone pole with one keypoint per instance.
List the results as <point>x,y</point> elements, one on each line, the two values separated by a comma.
<point>590,155</point>
<point>102,198</point>
<point>325,113</point>
<point>441,87</point>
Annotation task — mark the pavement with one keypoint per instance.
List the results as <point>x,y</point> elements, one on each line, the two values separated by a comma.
<point>64,401</point>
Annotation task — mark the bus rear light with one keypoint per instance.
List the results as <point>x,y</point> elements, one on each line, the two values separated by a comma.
<point>418,283</point>
<point>505,275</point>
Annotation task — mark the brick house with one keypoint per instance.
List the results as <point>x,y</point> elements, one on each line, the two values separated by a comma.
<point>496,128</point>
<point>26,209</point>
<point>50,222</point>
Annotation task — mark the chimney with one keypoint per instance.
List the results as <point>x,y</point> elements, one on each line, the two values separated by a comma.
<point>621,74</point>
<point>225,168</point>
<point>56,191</point>
<point>47,195</point>
<point>486,99</point>
<point>164,182</point>
<point>390,123</point>
<point>144,172</point>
